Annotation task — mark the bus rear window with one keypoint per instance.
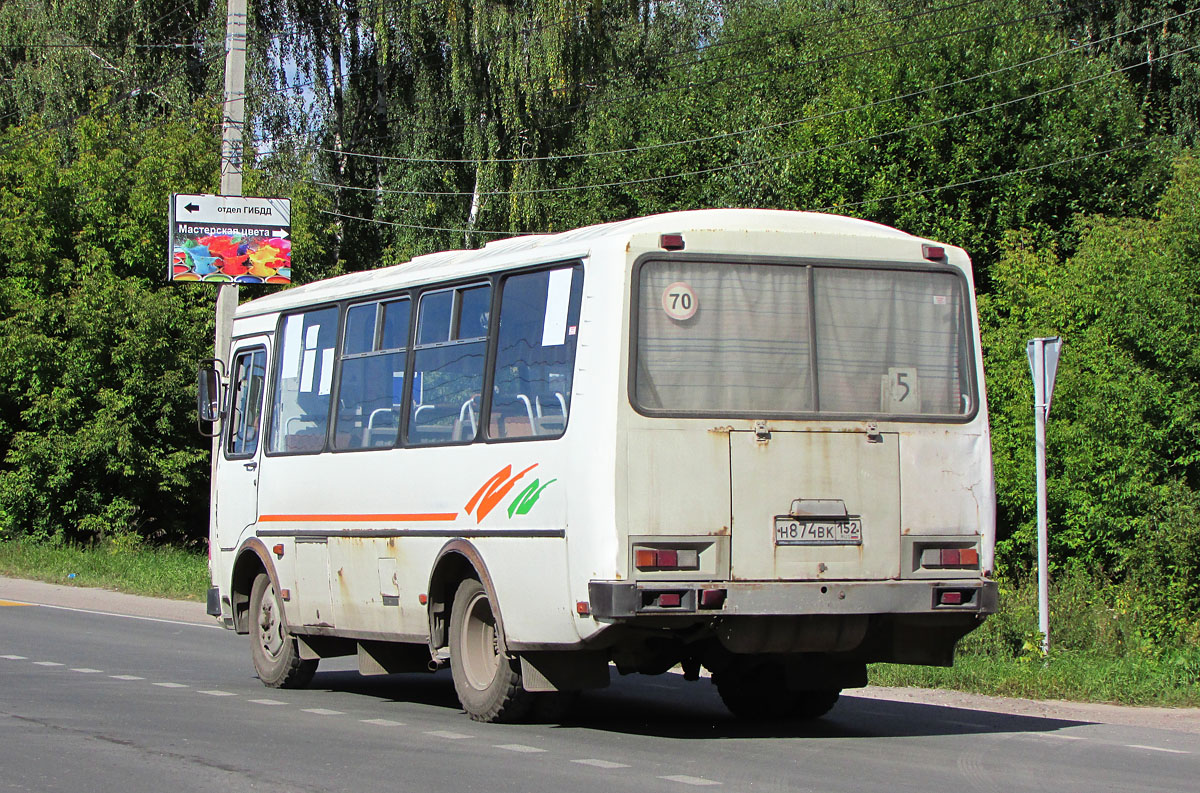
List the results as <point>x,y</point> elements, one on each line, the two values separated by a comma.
<point>722,338</point>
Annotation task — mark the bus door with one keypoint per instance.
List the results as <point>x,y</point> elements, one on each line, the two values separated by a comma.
<point>236,492</point>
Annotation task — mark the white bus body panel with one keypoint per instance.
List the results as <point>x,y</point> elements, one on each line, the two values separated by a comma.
<point>616,475</point>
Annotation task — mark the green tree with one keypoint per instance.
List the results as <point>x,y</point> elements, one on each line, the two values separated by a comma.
<point>1123,438</point>
<point>96,353</point>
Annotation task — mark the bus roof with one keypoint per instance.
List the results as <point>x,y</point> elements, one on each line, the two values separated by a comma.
<point>449,265</point>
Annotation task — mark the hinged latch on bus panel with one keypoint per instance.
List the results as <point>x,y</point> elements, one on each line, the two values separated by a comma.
<point>762,433</point>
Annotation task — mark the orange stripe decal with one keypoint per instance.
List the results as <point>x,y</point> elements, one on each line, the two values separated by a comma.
<point>406,517</point>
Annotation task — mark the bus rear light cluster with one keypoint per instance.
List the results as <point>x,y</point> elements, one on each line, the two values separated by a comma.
<point>950,558</point>
<point>666,559</point>
<point>689,600</point>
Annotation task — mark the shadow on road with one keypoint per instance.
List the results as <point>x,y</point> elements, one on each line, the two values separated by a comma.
<point>668,706</point>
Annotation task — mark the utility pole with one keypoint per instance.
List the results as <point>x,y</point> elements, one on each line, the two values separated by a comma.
<point>233,116</point>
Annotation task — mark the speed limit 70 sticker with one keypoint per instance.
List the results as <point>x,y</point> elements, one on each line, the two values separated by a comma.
<point>679,301</point>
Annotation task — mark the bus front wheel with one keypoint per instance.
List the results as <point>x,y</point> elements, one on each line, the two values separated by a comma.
<point>273,648</point>
<point>487,681</point>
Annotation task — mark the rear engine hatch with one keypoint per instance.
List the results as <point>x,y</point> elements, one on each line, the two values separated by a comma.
<point>837,495</point>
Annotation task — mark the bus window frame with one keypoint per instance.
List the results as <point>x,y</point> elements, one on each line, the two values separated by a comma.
<point>494,280</point>
<point>577,268</point>
<point>456,287</point>
<point>277,370</point>
<point>969,329</point>
<point>227,432</point>
<point>380,302</point>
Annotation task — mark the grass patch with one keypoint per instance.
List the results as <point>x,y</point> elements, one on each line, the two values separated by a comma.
<point>157,572</point>
<point>1108,644</point>
<point>1169,680</point>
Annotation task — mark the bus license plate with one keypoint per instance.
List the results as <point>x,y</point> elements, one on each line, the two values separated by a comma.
<point>794,531</point>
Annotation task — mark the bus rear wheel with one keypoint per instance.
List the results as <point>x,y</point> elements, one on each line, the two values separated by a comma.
<point>487,681</point>
<point>760,692</point>
<point>273,648</point>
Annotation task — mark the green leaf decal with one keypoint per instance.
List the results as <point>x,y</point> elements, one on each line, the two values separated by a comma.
<point>527,498</point>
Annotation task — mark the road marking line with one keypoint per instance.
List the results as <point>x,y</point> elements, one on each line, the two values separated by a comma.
<point>519,747</point>
<point>217,693</point>
<point>1058,735</point>
<point>449,736</point>
<point>47,663</point>
<point>1156,748</point>
<point>169,685</point>
<point>323,712</point>
<point>129,616</point>
<point>86,670</point>
<point>14,603</point>
<point>14,657</point>
<point>126,677</point>
<point>383,722</point>
<point>600,763</point>
<point>267,702</point>
<point>684,779</point>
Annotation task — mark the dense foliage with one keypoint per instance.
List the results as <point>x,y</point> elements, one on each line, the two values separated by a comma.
<point>1048,137</point>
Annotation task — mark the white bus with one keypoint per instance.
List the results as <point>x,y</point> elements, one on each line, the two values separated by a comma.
<point>751,441</point>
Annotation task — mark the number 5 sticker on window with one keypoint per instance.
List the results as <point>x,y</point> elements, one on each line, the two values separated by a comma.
<point>900,391</point>
<point>679,301</point>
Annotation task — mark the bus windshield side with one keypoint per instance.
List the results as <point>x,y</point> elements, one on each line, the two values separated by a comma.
<point>801,339</point>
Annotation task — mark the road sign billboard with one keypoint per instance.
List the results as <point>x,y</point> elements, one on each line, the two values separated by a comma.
<point>230,239</point>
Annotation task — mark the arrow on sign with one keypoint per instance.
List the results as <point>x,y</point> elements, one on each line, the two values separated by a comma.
<point>192,207</point>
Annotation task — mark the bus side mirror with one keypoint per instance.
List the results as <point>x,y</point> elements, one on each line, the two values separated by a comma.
<point>208,398</point>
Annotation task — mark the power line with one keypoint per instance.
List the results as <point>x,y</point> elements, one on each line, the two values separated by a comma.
<point>982,179</point>
<point>753,163</point>
<point>104,108</point>
<point>415,226</point>
<point>754,130</point>
<point>892,197</point>
<point>97,46</point>
<point>703,62</point>
<point>133,7</point>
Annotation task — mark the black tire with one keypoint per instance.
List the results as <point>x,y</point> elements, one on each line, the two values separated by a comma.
<point>487,681</point>
<point>760,693</point>
<point>273,648</point>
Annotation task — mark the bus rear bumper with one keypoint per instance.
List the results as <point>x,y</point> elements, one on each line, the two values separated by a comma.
<point>618,600</point>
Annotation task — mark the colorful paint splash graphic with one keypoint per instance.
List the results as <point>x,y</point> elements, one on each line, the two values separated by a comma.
<point>233,259</point>
<point>495,489</point>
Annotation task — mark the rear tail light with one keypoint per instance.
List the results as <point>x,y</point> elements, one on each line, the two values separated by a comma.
<point>949,557</point>
<point>666,559</point>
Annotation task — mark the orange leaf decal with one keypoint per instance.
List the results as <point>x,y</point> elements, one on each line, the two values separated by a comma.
<point>493,490</point>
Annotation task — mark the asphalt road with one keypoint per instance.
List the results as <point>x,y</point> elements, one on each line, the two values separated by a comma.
<point>99,702</point>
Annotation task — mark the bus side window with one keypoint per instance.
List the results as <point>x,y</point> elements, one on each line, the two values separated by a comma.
<point>300,409</point>
<point>535,354</point>
<point>448,365</point>
<point>370,389</point>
